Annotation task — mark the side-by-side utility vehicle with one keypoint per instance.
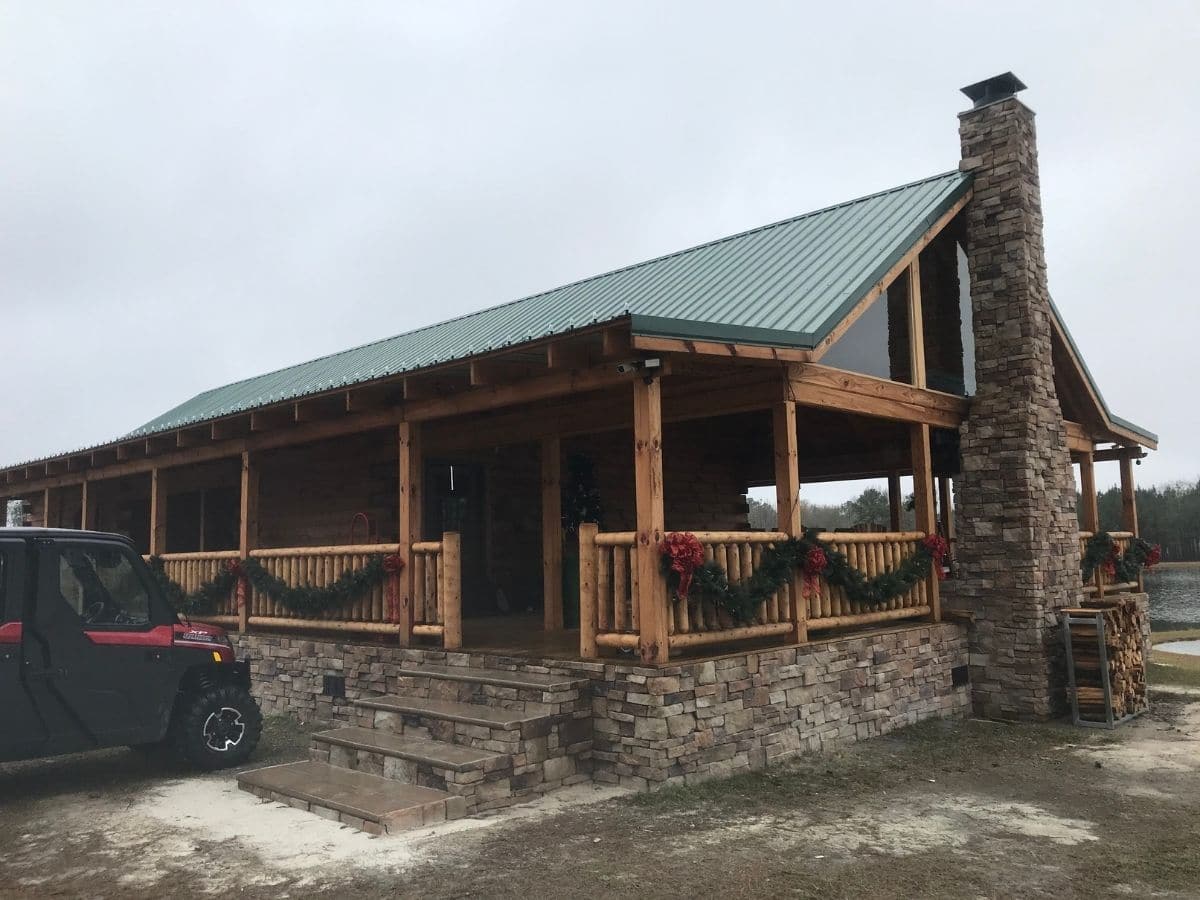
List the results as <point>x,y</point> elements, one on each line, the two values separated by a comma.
<point>92,655</point>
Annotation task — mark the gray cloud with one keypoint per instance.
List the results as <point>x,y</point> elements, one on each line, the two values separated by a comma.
<point>192,194</point>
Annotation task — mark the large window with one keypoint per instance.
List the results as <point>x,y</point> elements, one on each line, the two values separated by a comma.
<point>102,586</point>
<point>877,343</point>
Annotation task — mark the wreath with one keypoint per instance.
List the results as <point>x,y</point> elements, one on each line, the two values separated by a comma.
<point>686,571</point>
<point>304,600</point>
<point>1104,553</point>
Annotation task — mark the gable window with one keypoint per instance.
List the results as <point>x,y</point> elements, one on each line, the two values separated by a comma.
<point>877,342</point>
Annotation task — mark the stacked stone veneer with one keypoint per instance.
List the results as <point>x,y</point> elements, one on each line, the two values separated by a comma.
<point>636,726</point>
<point>1018,548</point>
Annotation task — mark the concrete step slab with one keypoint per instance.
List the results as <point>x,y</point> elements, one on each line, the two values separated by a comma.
<point>533,681</point>
<point>453,711</point>
<point>439,754</point>
<point>370,803</point>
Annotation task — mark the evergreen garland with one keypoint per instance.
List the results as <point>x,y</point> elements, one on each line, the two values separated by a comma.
<point>815,558</point>
<point>1102,552</point>
<point>205,600</point>
<point>304,600</point>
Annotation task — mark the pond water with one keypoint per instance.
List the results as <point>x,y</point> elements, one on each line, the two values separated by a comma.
<point>1174,596</point>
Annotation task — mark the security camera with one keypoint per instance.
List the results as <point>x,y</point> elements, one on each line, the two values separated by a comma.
<point>636,365</point>
<point>627,367</point>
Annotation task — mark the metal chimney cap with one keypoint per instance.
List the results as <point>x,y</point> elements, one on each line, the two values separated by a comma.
<point>990,90</point>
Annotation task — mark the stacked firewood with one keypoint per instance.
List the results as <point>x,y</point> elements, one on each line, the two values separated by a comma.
<point>1124,651</point>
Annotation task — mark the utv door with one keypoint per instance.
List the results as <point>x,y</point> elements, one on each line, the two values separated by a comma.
<point>23,734</point>
<point>97,648</point>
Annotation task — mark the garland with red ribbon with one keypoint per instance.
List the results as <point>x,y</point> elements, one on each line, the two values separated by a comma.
<point>303,600</point>
<point>1104,553</point>
<point>814,559</point>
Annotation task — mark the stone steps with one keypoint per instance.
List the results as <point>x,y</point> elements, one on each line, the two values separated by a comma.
<point>483,738</point>
<point>528,692</point>
<point>369,803</point>
<point>452,757</point>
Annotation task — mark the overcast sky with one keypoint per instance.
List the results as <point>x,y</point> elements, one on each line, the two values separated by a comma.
<point>195,193</point>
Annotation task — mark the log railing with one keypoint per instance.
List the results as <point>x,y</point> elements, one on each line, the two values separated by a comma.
<point>609,590</point>
<point>433,566</point>
<point>1100,583</point>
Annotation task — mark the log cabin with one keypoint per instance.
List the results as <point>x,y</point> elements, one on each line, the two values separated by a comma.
<point>524,462</point>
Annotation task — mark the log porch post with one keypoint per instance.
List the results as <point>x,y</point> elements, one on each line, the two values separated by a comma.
<point>1129,518</point>
<point>787,501</point>
<point>552,537</point>
<point>87,507</point>
<point>411,466</point>
<point>47,519</point>
<point>587,590</point>
<point>1089,505</point>
<point>452,566</point>
<point>158,513</point>
<point>922,465</point>
<point>247,523</point>
<point>653,642</point>
<point>895,499</point>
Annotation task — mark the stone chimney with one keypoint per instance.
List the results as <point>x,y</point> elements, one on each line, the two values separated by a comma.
<point>1018,546</point>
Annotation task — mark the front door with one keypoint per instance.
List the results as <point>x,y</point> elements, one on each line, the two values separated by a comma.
<point>97,661</point>
<point>23,734</point>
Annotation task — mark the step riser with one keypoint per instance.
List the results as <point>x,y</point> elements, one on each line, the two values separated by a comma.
<point>480,790</point>
<point>544,755</point>
<point>519,699</point>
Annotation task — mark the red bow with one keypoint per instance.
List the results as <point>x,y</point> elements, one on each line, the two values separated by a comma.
<point>686,554</point>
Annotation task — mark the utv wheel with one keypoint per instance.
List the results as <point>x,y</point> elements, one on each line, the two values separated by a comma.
<point>217,727</point>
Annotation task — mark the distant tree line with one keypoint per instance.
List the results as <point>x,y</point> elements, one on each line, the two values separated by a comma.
<point>868,508</point>
<point>1168,515</point>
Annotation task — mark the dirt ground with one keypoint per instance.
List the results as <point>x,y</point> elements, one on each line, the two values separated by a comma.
<point>945,809</point>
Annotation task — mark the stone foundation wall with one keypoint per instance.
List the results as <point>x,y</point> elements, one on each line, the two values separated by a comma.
<point>699,720</point>
<point>679,723</point>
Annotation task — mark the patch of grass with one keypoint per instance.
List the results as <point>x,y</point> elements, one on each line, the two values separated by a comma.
<point>1185,674</point>
<point>1177,634</point>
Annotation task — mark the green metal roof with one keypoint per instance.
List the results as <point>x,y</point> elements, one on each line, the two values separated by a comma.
<point>786,284</point>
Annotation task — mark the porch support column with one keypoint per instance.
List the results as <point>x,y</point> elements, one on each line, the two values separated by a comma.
<point>87,507</point>
<point>922,465</point>
<point>1129,520</point>
<point>653,642</point>
<point>247,523</point>
<point>895,500</point>
<point>1088,503</point>
<point>158,513</point>
<point>47,519</point>
<point>411,467</point>
<point>552,537</point>
<point>787,500</point>
<point>946,504</point>
<point>916,325</point>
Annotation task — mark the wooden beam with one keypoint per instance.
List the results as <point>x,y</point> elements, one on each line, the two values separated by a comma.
<point>916,325</point>
<point>615,342</point>
<point>895,500</point>
<point>233,427</point>
<point>158,512</point>
<point>922,466</point>
<point>889,276</point>
<point>552,535</point>
<point>750,353</point>
<point>787,500</point>
<point>814,385</point>
<point>270,418</point>
<point>946,504</point>
<point>648,491</point>
<point>1088,503</point>
<point>1078,440</point>
<point>1129,517</point>
<point>566,355</point>
<point>47,517</point>
<point>248,521</point>
<point>192,437</point>
<point>317,409</point>
<point>411,474</point>
<point>1117,453</point>
<point>499,371</point>
<point>54,467</point>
